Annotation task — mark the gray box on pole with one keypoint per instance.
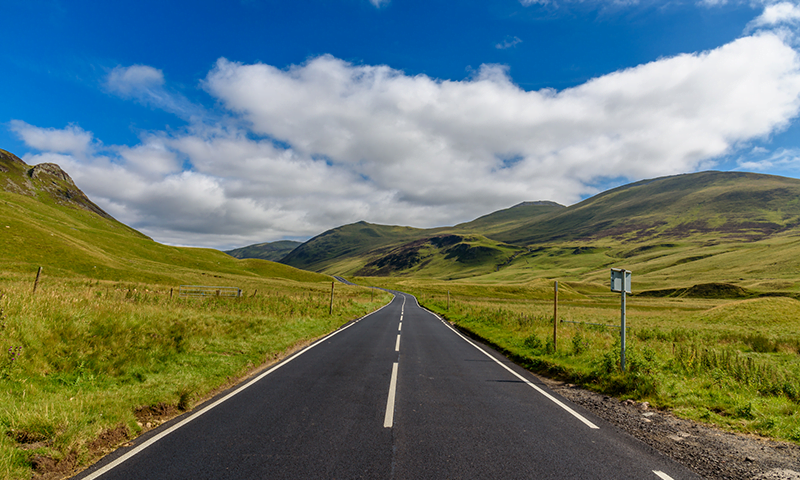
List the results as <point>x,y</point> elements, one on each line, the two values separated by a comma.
<point>620,279</point>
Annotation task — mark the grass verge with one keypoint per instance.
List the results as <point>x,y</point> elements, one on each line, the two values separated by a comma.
<point>86,365</point>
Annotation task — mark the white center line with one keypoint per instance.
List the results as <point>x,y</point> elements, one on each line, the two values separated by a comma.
<point>198,413</point>
<point>388,419</point>
<point>662,475</point>
<point>400,326</point>
<point>397,345</point>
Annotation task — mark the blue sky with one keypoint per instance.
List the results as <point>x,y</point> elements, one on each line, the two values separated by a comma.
<point>221,124</point>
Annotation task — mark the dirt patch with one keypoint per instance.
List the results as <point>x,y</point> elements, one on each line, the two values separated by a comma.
<point>706,450</point>
<point>47,468</point>
<point>109,440</point>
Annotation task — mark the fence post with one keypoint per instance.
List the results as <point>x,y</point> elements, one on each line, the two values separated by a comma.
<point>555,316</point>
<point>170,294</point>
<point>36,282</point>
<point>448,300</point>
<point>330,311</point>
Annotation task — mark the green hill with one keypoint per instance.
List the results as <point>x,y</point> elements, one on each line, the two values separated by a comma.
<point>674,232</point>
<point>712,205</point>
<point>47,221</point>
<point>272,251</point>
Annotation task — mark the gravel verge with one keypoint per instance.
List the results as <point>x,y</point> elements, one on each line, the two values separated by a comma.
<point>710,452</point>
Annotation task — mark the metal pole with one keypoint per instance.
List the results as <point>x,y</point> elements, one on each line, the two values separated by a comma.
<point>555,316</point>
<point>330,311</point>
<point>36,282</point>
<point>622,332</point>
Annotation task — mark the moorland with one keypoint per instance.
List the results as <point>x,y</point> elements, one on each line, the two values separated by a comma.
<point>106,348</point>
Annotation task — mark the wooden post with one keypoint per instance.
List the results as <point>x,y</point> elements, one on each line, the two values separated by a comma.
<point>555,316</point>
<point>330,311</point>
<point>448,300</point>
<point>170,294</point>
<point>36,282</point>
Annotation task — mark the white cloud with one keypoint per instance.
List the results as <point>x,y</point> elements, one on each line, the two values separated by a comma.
<point>775,14</point>
<point>72,139</point>
<point>508,43</point>
<point>355,142</point>
<point>379,3</point>
<point>145,84</point>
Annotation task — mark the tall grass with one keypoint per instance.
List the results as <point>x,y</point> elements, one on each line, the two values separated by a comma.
<point>78,358</point>
<point>735,364</point>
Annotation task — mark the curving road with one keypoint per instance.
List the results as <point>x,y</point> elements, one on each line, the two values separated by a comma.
<point>397,394</point>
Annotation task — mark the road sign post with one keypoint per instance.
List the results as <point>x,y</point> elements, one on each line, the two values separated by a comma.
<point>621,282</point>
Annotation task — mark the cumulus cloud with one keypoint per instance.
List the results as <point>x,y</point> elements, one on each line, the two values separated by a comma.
<point>328,142</point>
<point>72,140</point>
<point>776,14</point>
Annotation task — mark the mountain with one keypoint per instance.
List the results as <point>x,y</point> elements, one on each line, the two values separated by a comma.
<point>272,251</point>
<point>712,205</point>
<point>655,224</point>
<point>46,220</point>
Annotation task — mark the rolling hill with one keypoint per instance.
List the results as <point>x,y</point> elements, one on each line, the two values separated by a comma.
<point>48,221</point>
<point>687,228</point>
<point>272,251</point>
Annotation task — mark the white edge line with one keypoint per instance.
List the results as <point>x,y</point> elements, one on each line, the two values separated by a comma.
<point>206,409</point>
<point>388,419</point>
<point>530,384</point>
<point>662,475</point>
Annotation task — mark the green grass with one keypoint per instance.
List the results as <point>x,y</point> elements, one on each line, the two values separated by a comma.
<point>727,362</point>
<point>88,353</point>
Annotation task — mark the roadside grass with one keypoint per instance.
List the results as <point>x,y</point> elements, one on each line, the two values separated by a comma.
<point>80,356</point>
<point>733,363</point>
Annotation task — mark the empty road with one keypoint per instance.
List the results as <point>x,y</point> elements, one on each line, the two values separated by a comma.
<point>397,394</point>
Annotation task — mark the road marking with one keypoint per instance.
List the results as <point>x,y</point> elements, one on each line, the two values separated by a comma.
<point>530,384</point>
<point>662,475</point>
<point>388,419</point>
<point>400,326</point>
<point>397,345</point>
<point>227,397</point>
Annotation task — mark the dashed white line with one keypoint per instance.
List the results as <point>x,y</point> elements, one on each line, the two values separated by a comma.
<point>388,419</point>
<point>400,326</point>
<point>397,345</point>
<point>662,475</point>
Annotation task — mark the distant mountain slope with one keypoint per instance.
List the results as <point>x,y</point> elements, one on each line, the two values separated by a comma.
<point>350,241</point>
<point>272,251</point>
<point>700,208</point>
<point>509,218</point>
<point>46,220</point>
<point>731,205</point>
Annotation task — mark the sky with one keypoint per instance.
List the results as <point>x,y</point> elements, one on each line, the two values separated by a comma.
<point>226,123</point>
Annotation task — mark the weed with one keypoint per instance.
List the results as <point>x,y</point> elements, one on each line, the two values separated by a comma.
<point>579,343</point>
<point>745,411</point>
<point>10,362</point>
<point>533,342</point>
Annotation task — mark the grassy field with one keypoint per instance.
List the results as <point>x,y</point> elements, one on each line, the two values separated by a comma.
<point>733,363</point>
<point>102,350</point>
<point>84,360</point>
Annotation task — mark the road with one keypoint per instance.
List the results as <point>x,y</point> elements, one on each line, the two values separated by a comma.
<point>398,394</point>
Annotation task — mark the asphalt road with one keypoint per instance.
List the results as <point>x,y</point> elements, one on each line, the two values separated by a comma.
<point>398,394</point>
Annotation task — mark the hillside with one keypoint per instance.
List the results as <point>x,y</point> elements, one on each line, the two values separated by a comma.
<point>47,221</point>
<point>713,205</point>
<point>272,251</point>
<point>685,229</point>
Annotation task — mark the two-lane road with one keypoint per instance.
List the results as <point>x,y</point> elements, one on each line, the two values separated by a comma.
<point>397,394</point>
